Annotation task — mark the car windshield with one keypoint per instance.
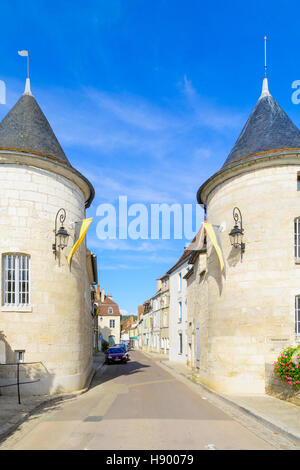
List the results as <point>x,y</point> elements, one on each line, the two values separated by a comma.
<point>115,350</point>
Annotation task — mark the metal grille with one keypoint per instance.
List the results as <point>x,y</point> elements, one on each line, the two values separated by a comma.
<point>297,238</point>
<point>16,279</point>
<point>297,315</point>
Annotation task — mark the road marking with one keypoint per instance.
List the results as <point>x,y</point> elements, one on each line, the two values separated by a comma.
<point>151,382</point>
<point>211,447</point>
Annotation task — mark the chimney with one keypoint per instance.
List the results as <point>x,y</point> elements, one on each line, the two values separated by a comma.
<point>102,294</point>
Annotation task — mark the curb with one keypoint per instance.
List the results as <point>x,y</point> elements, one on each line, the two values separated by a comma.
<point>247,411</point>
<point>10,428</point>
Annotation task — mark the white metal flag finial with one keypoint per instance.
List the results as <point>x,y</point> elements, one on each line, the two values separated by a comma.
<point>265,88</point>
<point>265,56</point>
<point>27,86</point>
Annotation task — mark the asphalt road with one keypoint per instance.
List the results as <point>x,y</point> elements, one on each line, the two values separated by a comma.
<point>137,405</point>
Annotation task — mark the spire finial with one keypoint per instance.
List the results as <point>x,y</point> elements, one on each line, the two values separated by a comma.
<point>265,56</point>
<point>265,88</point>
<point>27,86</point>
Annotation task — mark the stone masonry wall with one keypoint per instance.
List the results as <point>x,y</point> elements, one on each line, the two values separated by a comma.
<point>57,326</point>
<point>251,304</point>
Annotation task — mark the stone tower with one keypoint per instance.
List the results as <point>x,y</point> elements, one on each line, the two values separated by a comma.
<point>252,305</point>
<point>45,312</point>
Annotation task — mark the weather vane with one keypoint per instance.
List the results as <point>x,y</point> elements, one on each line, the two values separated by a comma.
<point>27,86</point>
<point>25,54</point>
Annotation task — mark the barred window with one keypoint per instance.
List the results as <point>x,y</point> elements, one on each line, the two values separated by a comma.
<point>16,280</point>
<point>297,238</point>
<point>297,315</point>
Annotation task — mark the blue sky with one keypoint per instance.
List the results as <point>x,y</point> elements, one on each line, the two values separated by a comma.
<point>147,98</point>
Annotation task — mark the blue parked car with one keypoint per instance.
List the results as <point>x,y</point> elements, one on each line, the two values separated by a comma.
<point>113,355</point>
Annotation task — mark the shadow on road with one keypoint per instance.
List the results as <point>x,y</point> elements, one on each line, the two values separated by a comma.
<point>114,371</point>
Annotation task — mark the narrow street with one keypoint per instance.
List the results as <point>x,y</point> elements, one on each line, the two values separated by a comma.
<point>137,405</point>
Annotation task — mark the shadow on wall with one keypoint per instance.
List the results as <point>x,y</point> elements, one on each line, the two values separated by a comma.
<point>278,388</point>
<point>214,269</point>
<point>106,333</point>
<point>234,257</point>
<point>38,379</point>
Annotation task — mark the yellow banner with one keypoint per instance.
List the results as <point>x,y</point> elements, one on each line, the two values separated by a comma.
<point>211,233</point>
<point>84,227</point>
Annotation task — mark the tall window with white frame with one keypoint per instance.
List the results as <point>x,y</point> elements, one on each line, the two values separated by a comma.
<point>180,312</point>
<point>297,315</point>
<point>180,343</point>
<point>111,323</point>
<point>16,280</point>
<point>179,281</point>
<point>297,238</point>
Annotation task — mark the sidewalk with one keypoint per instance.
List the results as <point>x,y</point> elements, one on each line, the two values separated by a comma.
<point>12,414</point>
<point>281,416</point>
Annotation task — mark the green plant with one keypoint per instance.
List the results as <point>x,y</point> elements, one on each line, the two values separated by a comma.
<point>105,345</point>
<point>287,366</point>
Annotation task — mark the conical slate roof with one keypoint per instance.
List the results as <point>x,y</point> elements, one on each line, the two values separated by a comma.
<point>26,129</point>
<point>268,128</point>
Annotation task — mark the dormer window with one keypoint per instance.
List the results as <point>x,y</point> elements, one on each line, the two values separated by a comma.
<point>110,310</point>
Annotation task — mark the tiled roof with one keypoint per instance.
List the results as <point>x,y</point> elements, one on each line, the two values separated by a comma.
<point>26,129</point>
<point>185,255</point>
<point>108,303</point>
<point>267,131</point>
<point>268,128</point>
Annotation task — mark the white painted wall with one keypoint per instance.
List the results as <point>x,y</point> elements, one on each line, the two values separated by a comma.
<point>176,327</point>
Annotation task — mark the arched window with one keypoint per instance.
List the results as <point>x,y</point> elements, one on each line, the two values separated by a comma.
<point>16,279</point>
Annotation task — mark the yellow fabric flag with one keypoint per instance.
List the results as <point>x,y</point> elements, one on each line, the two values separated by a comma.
<point>83,229</point>
<point>211,233</point>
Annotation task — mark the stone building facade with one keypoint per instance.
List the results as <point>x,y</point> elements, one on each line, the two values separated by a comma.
<point>109,318</point>
<point>178,309</point>
<point>197,303</point>
<point>45,312</point>
<point>252,304</point>
<point>164,309</point>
